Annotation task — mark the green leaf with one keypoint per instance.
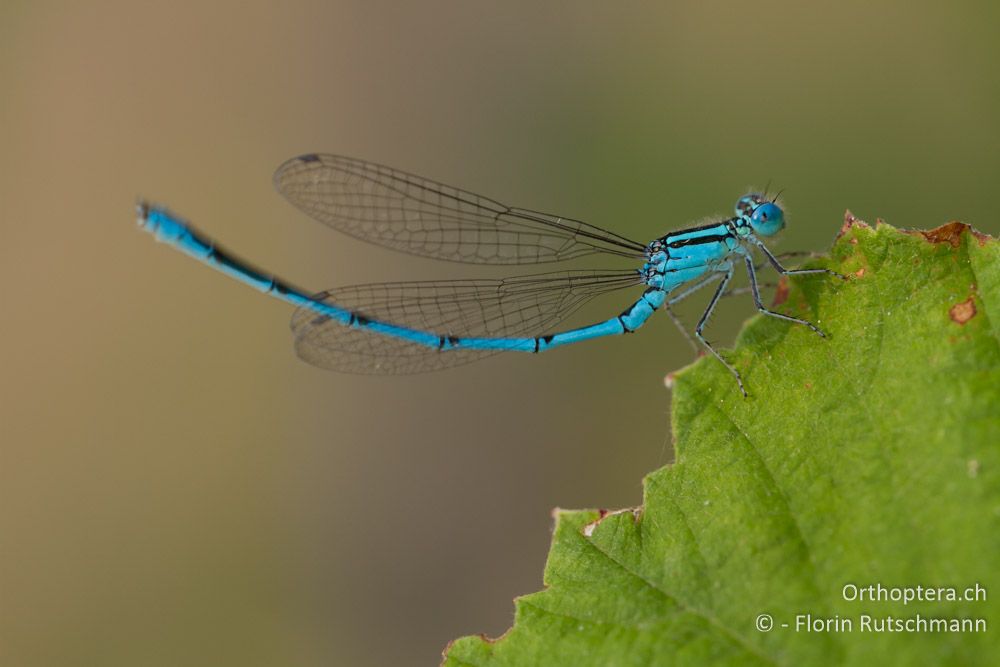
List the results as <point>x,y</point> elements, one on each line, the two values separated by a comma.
<point>869,458</point>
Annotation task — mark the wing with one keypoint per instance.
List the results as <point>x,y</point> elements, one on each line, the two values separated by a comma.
<point>526,305</point>
<point>417,216</point>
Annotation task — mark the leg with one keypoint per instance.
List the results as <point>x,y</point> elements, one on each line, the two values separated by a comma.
<point>740,291</point>
<point>736,291</point>
<point>680,297</point>
<point>704,319</point>
<point>680,327</point>
<point>791,272</point>
<point>765,311</point>
<point>794,253</point>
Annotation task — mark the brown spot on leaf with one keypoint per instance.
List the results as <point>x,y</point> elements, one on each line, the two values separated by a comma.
<point>588,530</point>
<point>951,233</point>
<point>483,637</point>
<point>850,221</point>
<point>963,311</point>
<point>781,293</point>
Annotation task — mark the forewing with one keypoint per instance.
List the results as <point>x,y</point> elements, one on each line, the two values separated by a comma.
<point>421,217</point>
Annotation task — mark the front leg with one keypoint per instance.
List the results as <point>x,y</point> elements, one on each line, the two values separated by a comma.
<point>791,272</point>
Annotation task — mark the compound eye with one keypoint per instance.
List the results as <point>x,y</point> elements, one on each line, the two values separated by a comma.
<point>767,219</point>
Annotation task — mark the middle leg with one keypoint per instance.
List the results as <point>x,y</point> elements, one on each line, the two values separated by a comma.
<point>704,320</point>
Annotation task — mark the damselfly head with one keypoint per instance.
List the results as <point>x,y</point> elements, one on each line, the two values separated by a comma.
<point>763,215</point>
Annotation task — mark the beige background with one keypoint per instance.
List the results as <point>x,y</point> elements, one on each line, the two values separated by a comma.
<point>176,488</point>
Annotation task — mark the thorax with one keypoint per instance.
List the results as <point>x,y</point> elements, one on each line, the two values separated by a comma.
<point>688,253</point>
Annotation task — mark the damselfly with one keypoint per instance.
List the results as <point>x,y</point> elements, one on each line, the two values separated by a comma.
<point>408,327</point>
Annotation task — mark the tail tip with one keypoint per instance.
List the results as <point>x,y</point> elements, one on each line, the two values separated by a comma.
<point>142,209</point>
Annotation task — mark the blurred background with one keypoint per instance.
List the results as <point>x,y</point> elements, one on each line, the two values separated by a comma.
<point>176,487</point>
